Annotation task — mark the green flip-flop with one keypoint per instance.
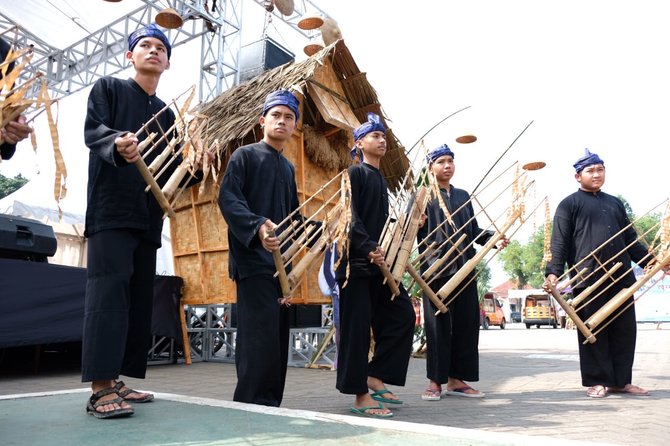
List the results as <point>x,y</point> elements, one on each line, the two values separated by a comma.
<point>363,411</point>
<point>377,396</point>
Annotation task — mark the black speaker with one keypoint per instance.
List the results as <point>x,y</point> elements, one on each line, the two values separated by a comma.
<point>26,239</point>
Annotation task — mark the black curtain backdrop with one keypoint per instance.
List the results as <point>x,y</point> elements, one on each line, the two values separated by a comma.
<point>41,303</point>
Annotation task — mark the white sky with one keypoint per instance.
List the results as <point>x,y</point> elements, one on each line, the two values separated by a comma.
<point>589,73</point>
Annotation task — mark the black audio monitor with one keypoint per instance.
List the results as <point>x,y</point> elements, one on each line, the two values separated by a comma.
<point>26,239</point>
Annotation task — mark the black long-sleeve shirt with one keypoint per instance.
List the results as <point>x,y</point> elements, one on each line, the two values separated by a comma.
<point>462,214</point>
<point>582,223</point>
<point>259,184</point>
<point>369,208</point>
<point>115,194</point>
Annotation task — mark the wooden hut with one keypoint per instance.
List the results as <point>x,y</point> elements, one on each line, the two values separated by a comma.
<point>335,98</point>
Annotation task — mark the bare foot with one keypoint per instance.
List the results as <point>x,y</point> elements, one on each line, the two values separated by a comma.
<point>629,389</point>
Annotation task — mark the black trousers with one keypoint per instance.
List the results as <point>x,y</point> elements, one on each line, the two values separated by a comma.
<point>452,338</point>
<point>119,301</point>
<point>366,303</point>
<point>261,349</point>
<point>609,360</point>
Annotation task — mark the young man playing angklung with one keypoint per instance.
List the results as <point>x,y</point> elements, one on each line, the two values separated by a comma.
<point>365,301</point>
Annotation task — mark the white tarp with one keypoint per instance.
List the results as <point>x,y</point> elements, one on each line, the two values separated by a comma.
<point>31,201</point>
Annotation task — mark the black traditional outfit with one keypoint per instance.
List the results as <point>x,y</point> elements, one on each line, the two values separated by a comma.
<point>123,226</point>
<point>259,184</point>
<point>452,339</point>
<point>365,301</point>
<point>583,222</point>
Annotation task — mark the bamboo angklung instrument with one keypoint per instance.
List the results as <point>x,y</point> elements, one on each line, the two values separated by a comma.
<point>659,261</point>
<point>514,216</point>
<point>304,240</point>
<point>183,139</point>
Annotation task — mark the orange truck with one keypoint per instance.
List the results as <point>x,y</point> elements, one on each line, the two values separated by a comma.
<point>492,312</point>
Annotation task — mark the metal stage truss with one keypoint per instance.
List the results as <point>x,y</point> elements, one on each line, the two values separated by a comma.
<point>211,336</point>
<point>102,53</point>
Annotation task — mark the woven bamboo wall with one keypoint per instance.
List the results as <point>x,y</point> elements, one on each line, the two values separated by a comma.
<point>200,240</point>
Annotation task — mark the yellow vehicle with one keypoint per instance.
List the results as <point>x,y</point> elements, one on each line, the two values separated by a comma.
<point>539,309</point>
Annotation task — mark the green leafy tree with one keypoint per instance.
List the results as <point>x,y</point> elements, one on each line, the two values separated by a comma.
<point>523,262</point>
<point>646,226</point>
<point>9,185</point>
<point>483,279</point>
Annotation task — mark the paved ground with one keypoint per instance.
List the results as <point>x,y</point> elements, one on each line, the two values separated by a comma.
<point>531,379</point>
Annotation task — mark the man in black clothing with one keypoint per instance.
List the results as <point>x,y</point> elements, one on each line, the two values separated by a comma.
<point>583,222</point>
<point>17,129</point>
<point>365,301</point>
<point>257,192</point>
<point>123,226</point>
<point>452,339</point>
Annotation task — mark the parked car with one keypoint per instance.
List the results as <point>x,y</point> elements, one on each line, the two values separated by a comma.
<point>538,310</point>
<point>492,312</point>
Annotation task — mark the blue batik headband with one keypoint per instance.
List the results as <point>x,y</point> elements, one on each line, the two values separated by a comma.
<point>434,154</point>
<point>588,159</point>
<point>149,31</point>
<point>282,97</point>
<point>373,124</point>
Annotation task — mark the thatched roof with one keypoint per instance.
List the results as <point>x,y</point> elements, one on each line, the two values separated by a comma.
<point>234,114</point>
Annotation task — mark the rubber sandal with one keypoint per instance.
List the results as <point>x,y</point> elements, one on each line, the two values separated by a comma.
<point>432,395</point>
<point>377,396</point>
<point>363,411</point>
<point>94,402</point>
<point>124,394</point>
<point>461,391</point>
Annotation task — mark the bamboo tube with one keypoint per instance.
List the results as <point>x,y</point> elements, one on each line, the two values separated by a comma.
<point>297,244</point>
<point>426,289</point>
<point>160,159</point>
<point>297,273</point>
<point>289,230</point>
<point>155,188</point>
<point>283,280</point>
<point>575,278</point>
<point>591,288</point>
<point>390,281</point>
<point>471,264</point>
<point>624,294</point>
<point>175,179</point>
<point>418,208</point>
<point>184,337</point>
<point>322,346</point>
<point>396,236</point>
<point>438,263</point>
<point>590,337</point>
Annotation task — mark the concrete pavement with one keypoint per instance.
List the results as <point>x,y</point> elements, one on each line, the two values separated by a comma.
<point>530,377</point>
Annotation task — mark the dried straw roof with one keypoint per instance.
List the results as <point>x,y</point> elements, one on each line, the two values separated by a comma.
<point>233,115</point>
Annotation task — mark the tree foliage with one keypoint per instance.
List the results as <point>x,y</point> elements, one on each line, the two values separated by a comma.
<point>646,226</point>
<point>9,185</point>
<point>522,262</point>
